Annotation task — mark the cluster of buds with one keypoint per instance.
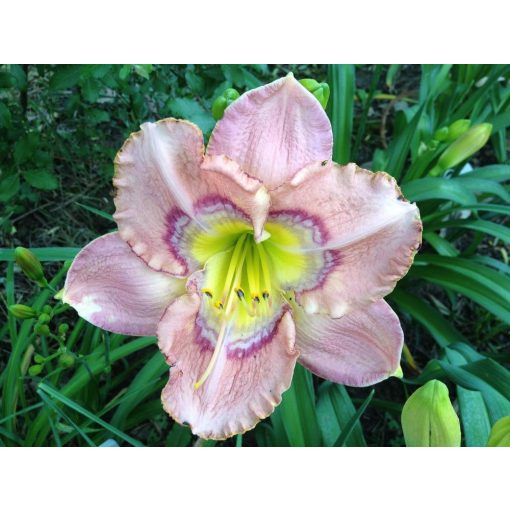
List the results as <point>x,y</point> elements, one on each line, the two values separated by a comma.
<point>33,270</point>
<point>466,141</point>
<point>319,90</point>
<point>221,103</point>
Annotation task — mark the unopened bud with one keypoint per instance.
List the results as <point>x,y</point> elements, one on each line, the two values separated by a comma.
<point>39,359</point>
<point>29,264</point>
<point>319,90</point>
<point>500,433</point>
<point>441,134</point>
<point>428,417</point>
<point>66,360</point>
<point>22,311</point>
<point>41,330</point>
<point>464,147</point>
<point>221,103</point>
<point>35,370</point>
<point>44,318</point>
<point>63,328</point>
<point>47,309</point>
<point>457,128</point>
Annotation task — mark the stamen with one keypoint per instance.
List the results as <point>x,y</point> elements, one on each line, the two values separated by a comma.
<point>266,275</point>
<point>233,266</point>
<point>240,293</point>
<point>207,292</point>
<point>214,357</point>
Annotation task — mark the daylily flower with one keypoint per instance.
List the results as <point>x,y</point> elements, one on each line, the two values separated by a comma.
<point>244,260</point>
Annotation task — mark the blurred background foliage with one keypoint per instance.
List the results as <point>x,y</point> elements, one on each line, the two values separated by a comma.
<point>441,130</point>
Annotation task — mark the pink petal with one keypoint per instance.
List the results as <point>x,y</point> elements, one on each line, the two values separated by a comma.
<point>359,349</point>
<point>241,389</point>
<point>370,231</point>
<point>160,185</point>
<point>273,131</point>
<point>112,288</point>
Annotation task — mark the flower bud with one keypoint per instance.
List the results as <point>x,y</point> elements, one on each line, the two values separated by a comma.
<point>41,330</point>
<point>44,318</point>
<point>500,433</point>
<point>39,359</point>
<point>464,147</point>
<point>457,128</point>
<point>66,360</point>
<point>47,309</point>
<point>22,311</point>
<point>428,417</point>
<point>319,90</point>
<point>63,328</point>
<point>221,103</point>
<point>30,265</point>
<point>441,134</point>
<point>35,370</point>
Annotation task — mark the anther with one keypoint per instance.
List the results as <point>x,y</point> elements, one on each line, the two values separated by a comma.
<point>256,299</point>
<point>207,292</point>
<point>219,305</point>
<point>265,295</point>
<point>240,293</point>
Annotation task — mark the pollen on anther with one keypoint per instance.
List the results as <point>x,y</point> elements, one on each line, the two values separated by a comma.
<point>240,293</point>
<point>265,295</point>
<point>207,292</point>
<point>219,305</point>
<point>255,298</point>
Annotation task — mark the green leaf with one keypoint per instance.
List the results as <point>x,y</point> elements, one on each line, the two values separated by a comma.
<point>430,188</point>
<point>189,109</point>
<point>342,82</point>
<point>399,147</point>
<point>5,116</point>
<point>351,424</point>
<point>43,254</point>
<point>41,179</point>
<point>91,209</point>
<point>65,76</point>
<point>9,187</point>
<point>85,412</point>
<point>440,328</point>
<point>297,411</point>
<point>334,410</point>
<point>500,433</point>
<point>474,417</point>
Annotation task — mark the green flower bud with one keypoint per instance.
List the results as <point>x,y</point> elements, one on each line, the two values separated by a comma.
<point>30,265</point>
<point>441,134</point>
<point>63,328</point>
<point>464,147</point>
<point>44,318</point>
<point>66,360</point>
<point>35,370</point>
<point>42,330</point>
<point>500,433</point>
<point>47,309</point>
<point>319,90</point>
<point>428,417</point>
<point>39,359</point>
<point>22,311</point>
<point>221,103</point>
<point>457,128</point>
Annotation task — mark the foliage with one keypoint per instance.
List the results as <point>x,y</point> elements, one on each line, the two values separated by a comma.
<point>60,127</point>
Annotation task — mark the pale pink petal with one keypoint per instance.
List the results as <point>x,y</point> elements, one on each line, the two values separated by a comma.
<point>112,288</point>
<point>369,230</point>
<point>161,189</point>
<point>273,131</point>
<point>359,349</point>
<point>244,387</point>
